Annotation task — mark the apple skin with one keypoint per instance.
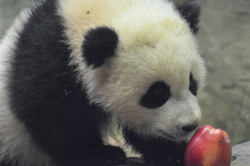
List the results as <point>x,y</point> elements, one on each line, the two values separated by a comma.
<point>208,147</point>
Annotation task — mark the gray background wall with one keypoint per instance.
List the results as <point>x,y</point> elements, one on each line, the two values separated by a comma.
<point>225,45</point>
<point>9,9</point>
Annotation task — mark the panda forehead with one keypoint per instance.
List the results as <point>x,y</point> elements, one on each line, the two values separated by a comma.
<point>145,28</point>
<point>170,55</point>
<point>162,53</point>
<point>166,38</point>
<point>146,65</point>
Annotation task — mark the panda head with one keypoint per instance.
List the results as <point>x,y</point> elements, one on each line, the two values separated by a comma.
<point>144,68</point>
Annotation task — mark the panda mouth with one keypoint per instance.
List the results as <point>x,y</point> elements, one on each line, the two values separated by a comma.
<point>163,133</point>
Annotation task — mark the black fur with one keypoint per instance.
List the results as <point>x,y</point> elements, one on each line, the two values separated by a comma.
<point>157,151</point>
<point>157,95</point>
<point>193,85</point>
<point>8,163</point>
<point>190,11</point>
<point>44,95</point>
<point>99,45</point>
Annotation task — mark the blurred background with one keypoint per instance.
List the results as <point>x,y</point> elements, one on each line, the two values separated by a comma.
<point>224,39</point>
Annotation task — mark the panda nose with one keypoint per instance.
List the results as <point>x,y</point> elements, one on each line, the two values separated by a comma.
<point>190,127</point>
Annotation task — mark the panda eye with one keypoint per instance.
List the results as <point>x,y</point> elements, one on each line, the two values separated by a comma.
<point>193,85</point>
<point>157,94</point>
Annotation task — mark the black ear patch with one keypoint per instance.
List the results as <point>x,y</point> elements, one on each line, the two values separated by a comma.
<point>190,11</point>
<point>99,44</point>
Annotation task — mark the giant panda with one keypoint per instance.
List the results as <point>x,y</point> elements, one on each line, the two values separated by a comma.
<point>72,69</point>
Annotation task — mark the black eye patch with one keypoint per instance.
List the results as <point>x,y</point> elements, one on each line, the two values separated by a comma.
<point>193,85</point>
<point>157,94</point>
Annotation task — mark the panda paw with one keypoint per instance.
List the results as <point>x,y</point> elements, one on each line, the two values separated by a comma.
<point>166,161</point>
<point>106,156</point>
<point>113,156</point>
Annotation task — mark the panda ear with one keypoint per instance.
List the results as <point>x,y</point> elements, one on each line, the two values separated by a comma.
<point>190,11</point>
<point>99,44</point>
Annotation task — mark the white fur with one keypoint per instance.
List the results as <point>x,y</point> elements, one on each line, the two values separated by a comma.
<point>155,45</point>
<point>15,141</point>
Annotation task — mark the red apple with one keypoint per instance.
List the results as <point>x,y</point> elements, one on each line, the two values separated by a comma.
<point>208,147</point>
